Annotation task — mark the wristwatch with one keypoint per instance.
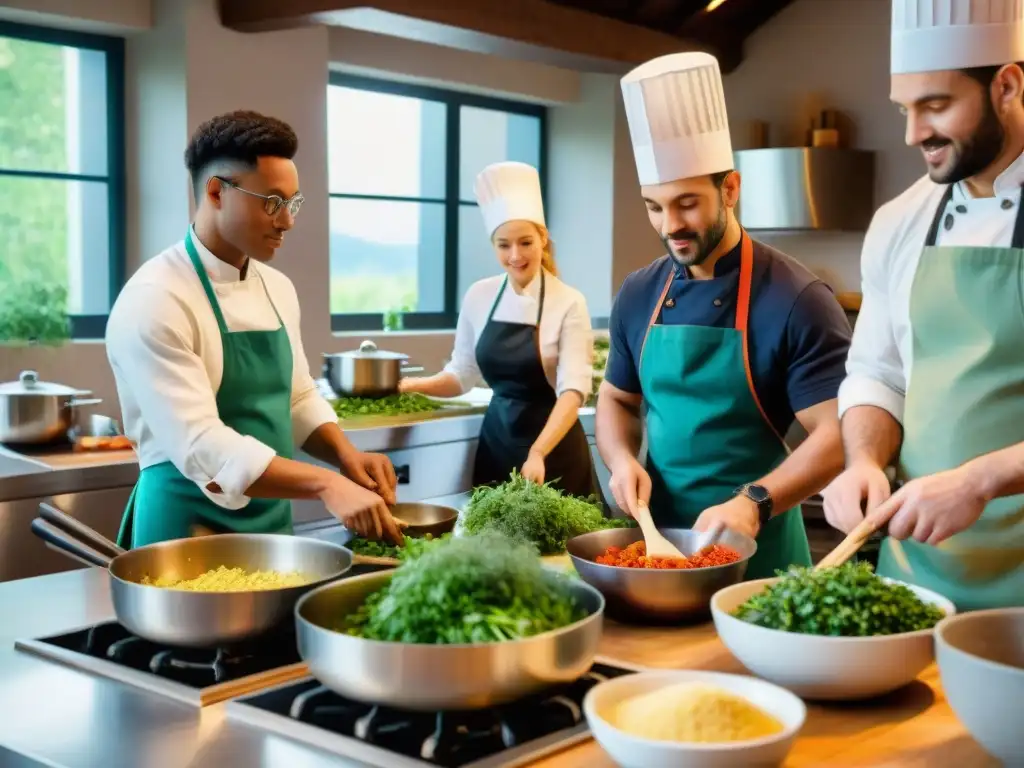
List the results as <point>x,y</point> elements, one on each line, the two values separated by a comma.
<point>760,496</point>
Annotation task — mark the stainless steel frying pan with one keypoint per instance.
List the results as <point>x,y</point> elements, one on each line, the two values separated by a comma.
<point>196,619</point>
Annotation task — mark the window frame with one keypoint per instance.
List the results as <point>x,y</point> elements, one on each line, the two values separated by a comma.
<point>89,327</point>
<point>453,101</point>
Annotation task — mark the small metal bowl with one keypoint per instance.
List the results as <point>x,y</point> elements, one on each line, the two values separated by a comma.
<point>423,519</point>
<point>657,596</point>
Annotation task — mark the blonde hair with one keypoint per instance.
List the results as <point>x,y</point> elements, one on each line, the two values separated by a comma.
<point>547,259</point>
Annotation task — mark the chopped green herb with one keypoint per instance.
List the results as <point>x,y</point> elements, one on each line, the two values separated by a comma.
<point>479,589</point>
<point>390,405</point>
<point>540,514</point>
<point>847,601</point>
<point>414,547</point>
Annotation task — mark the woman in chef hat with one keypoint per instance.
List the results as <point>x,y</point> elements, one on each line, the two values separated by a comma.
<point>528,336</point>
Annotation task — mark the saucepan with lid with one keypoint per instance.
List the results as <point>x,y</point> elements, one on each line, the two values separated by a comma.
<point>33,412</point>
<point>367,371</point>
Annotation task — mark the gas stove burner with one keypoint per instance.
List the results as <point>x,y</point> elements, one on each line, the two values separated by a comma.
<point>195,675</point>
<point>507,735</point>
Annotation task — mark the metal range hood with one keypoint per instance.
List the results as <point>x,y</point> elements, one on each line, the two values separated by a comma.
<point>805,188</point>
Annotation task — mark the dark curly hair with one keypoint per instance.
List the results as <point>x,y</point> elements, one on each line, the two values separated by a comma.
<point>236,139</point>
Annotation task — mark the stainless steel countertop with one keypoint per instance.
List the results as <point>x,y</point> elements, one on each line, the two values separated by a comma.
<point>34,474</point>
<point>63,717</point>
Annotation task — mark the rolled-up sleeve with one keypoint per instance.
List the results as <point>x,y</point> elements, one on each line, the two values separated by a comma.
<point>874,369</point>
<point>463,363</point>
<point>150,348</point>
<point>575,370</point>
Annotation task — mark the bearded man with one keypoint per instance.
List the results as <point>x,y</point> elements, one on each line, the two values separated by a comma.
<point>720,344</point>
<point>936,374</point>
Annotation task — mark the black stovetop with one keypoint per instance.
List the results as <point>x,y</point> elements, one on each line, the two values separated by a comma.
<point>196,668</point>
<point>446,739</point>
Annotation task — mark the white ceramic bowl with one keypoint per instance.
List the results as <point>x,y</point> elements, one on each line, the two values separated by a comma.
<point>981,662</point>
<point>824,668</point>
<point>635,752</point>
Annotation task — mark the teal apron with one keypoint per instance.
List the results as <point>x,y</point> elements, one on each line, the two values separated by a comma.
<point>965,398</point>
<point>706,431</point>
<point>254,399</point>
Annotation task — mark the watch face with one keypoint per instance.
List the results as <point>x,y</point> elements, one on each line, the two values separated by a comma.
<point>757,493</point>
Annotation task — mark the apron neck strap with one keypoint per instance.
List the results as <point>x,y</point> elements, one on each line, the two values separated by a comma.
<point>1017,241</point>
<point>746,279</point>
<point>1018,226</point>
<point>501,292</point>
<point>197,264</point>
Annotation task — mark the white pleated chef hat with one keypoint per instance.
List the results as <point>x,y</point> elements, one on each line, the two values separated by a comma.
<point>675,106</point>
<point>509,191</point>
<point>936,35</point>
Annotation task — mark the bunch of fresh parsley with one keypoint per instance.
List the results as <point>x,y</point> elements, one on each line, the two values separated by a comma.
<point>540,514</point>
<point>478,589</point>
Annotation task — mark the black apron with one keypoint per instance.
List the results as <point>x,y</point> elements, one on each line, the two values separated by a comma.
<point>508,356</point>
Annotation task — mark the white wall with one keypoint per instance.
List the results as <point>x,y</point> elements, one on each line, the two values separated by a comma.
<point>183,68</point>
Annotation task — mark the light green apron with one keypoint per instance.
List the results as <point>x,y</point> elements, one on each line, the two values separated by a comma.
<point>965,398</point>
<point>706,431</point>
<point>254,399</point>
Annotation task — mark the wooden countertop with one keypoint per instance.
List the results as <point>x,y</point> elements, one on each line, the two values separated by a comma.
<point>910,727</point>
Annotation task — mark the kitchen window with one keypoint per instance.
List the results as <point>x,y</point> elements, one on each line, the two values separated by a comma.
<point>406,235</point>
<point>62,170</point>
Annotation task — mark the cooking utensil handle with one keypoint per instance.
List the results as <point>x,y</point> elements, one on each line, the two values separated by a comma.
<point>412,369</point>
<point>81,403</point>
<point>849,546</point>
<point>79,530</point>
<point>60,540</point>
<point>371,560</point>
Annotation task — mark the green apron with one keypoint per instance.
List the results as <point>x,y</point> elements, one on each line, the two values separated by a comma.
<point>254,399</point>
<point>706,431</point>
<point>965,398</point>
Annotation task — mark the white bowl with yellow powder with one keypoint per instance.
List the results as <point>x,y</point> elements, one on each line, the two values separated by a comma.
<point>693,719</point>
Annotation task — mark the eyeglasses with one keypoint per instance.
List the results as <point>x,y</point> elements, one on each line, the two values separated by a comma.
<point>271,203</point>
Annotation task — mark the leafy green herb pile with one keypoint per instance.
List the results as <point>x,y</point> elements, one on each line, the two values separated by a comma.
<point>847,601</point>
<point>544,516</point>
<point>413,547</point>
<point>390,405</point>
<point>478,589</point>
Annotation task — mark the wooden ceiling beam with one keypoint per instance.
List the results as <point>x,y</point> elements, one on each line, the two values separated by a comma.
<point>535,23</point>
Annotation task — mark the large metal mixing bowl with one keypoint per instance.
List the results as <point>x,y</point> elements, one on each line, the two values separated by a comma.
<point>648,595</point>
<point>437,677</point>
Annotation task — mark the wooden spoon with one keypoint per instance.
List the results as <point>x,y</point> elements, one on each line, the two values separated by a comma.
<point>372,560</point>
<point>849,546</point>
<point>657,545</point>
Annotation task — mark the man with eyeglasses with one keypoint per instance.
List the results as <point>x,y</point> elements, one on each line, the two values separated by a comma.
<point>214,385</point>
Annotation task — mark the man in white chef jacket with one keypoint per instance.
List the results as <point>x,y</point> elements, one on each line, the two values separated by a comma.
<point>214,385</point>
<point>936,370</point>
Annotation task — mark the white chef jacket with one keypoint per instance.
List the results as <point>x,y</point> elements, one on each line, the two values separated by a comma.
<point>878,368</point>
<point>164,346</point>
<point>566,338</point>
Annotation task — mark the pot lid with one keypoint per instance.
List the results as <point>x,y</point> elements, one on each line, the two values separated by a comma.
<point>29,384</point>
<point>368,351</point>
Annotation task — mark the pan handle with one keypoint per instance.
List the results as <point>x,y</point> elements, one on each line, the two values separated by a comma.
<point>79,530</point>
<point>76,550</point>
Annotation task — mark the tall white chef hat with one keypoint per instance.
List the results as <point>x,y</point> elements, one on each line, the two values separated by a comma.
<point>935,35</point>
<point>675,106</point>
<point>507,192</point>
